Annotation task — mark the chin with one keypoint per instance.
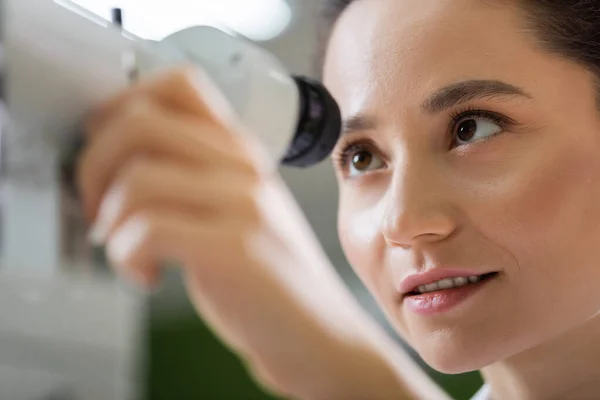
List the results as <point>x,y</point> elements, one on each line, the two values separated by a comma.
<point>453,357</point>
<point>452,366</point>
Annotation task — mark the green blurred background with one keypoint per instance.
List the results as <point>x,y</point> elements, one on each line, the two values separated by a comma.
<point>187,362</point>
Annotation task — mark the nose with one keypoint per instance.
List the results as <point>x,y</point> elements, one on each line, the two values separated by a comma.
<point>418,208</point>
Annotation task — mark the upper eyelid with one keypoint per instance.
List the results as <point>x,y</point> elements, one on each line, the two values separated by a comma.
<point>364,141</point>
<point>455,116</point>
<point>480,113</point>
<point>505,122</point>
<point>348,144</point>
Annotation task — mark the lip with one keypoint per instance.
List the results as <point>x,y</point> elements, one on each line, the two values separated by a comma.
<point>412,282</point>
<point>433,303</point>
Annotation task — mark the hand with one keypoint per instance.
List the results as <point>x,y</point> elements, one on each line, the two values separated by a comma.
<point>170,176</point>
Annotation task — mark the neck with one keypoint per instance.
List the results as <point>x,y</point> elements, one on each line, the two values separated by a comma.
<point>566,367</point>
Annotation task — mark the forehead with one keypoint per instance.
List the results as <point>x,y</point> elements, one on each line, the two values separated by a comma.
<point>380,48</point>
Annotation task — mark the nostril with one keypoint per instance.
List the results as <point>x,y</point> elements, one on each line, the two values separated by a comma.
<point>417,210</point>
<point>402,246</point>
<point>407,244</point>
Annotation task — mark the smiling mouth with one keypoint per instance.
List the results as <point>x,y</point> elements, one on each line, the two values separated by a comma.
<point>450,283</point>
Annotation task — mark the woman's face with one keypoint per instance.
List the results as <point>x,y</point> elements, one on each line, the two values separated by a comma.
<point>466,148</point>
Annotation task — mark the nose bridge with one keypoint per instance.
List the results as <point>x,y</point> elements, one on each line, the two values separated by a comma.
<point>418,203</point>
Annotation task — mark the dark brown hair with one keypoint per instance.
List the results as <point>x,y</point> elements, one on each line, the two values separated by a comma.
<point>570,28</point>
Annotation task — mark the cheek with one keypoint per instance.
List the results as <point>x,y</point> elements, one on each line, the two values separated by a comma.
<point>547,216</point>
<point>359,225</point>
<point>551,202</point>
<point>360,236</point>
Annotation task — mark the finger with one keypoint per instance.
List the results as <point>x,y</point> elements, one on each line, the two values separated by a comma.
<point>149,238</point>
<point>155,184</point>
<point>187,89</point>
<point>146,129</point>
<point>216,256</point>
<point>232,287</point>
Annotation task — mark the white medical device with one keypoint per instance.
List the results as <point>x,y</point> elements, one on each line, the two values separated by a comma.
<point>68,328</point>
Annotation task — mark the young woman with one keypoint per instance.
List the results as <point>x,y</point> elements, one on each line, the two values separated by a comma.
<point>469,178</point>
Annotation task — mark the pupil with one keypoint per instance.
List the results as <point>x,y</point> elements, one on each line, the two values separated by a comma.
<point>466,130</point>
<point>362,160</point>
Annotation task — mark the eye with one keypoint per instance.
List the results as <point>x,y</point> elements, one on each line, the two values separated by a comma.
<point>363,161</point>
<point>357,159</point>
<point>473,129</point>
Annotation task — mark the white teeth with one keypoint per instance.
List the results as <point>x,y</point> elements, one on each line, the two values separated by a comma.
<point>448,283</point>
<point>461,281</point>
<point>430,287</point>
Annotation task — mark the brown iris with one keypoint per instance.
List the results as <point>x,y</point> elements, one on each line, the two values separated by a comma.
<point>362,160</point>
<point>466,130</point>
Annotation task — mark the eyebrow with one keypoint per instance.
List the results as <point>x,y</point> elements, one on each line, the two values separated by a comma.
<point>462,92</point>
<point>358,123</point>
<point>443,99</point>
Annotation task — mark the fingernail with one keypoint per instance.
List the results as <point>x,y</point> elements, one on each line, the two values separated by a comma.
<point>107,214</point>
<point>126,240</point>
<point>96,235</point>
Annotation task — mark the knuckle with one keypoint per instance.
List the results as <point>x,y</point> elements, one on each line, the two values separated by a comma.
<point>133,182</point>
<point>251,172</point>
<point>252,215</point>
<point>133,127</point>
<point>184,78</point>
<point>136,112</point>
<point>135,173</point>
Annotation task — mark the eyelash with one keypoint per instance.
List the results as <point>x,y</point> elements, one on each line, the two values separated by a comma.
<point>350,149</point>
<point>465,114</point>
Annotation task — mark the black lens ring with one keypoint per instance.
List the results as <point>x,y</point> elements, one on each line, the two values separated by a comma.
<point>317,132</point>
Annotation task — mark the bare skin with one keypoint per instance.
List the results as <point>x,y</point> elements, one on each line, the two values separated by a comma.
<point>520,197</point>
<point>170,175</point>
